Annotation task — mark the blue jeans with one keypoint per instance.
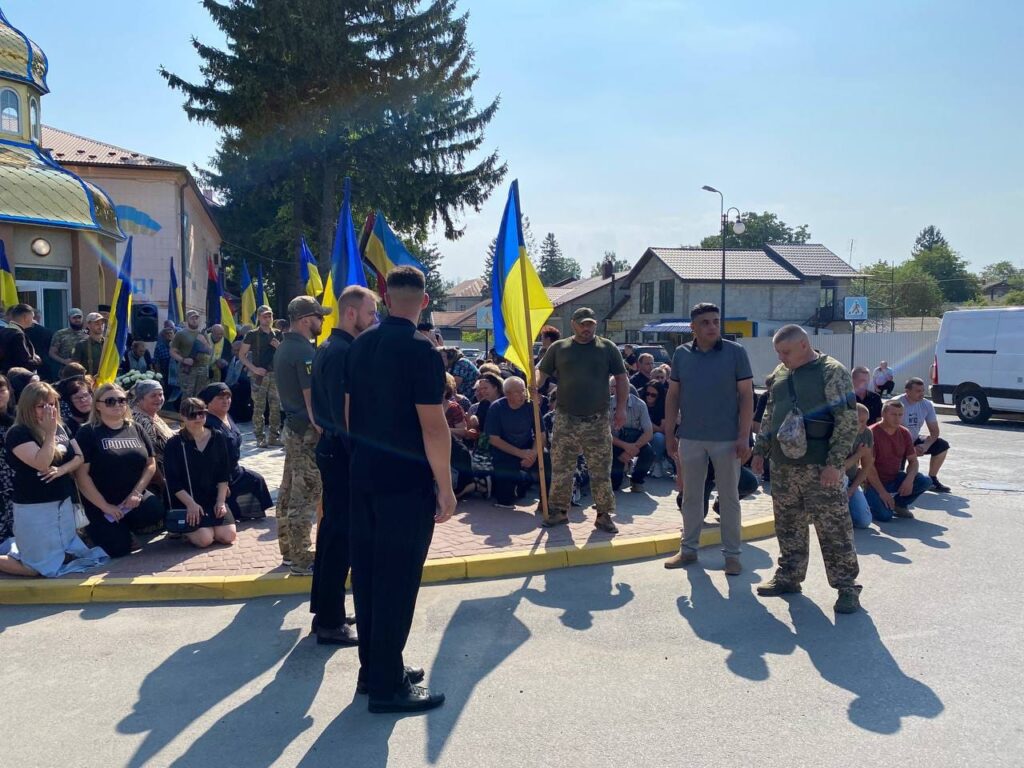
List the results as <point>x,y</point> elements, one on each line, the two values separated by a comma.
<point>860,511</point>
<point>658,445</point>
<point>882,513</point>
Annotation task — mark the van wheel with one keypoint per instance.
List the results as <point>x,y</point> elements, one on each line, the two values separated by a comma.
<point>972,407</point>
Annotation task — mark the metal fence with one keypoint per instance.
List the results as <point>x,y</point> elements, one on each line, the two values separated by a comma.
<point>908,353</point>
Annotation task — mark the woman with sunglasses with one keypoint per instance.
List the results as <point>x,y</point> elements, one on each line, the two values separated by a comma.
<point>248,497</point>
<point>198,468</point>
<point>43,458</point>
<point>75,403</point>
<point>119,465</point>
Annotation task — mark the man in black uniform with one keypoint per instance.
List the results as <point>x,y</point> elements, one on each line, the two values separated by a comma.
<point>401,486</point>
<point>358,309</point>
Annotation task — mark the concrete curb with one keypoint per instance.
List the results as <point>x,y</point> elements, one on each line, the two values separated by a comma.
<point>147,589</point>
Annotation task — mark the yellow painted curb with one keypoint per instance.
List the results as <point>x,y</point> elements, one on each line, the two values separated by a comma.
<point>158,588</point>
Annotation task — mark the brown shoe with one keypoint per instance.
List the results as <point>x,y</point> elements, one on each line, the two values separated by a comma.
<point>903,512</point>
<point>554,519</point>
<point>604,523</point>
<point>732,566</point>
<point>681,559</point>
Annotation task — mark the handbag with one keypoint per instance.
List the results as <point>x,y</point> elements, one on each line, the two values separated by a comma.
<point>176,519</point>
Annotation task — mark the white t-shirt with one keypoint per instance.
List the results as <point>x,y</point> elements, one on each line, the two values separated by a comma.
<point>880,377</point>
<point>916,415</point>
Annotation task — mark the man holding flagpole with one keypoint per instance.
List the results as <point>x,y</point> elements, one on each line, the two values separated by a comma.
<point>582,364</point>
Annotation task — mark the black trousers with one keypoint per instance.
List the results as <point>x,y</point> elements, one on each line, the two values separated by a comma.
<point>116,538</point>
<point>333,552</point>
<point>887,388</point>
<point>390,537</point>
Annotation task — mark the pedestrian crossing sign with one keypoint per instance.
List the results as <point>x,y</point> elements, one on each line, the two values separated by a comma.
<point>856,308</point>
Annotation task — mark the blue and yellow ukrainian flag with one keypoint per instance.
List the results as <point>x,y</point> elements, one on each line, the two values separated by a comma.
<point>218,311</point>
<point>175,311</point>
<point>308,271</point>
<point>261,296</point>
<point>247,313</point>
<point>346,266</point>
<point>8,287</point>
<point>384,251</point>
<point>520,306</point>
<point>117,323</point>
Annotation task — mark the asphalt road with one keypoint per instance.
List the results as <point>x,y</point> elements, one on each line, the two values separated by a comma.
<point>628,665</point>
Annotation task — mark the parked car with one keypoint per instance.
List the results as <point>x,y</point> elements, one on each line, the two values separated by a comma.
<point>471,353</point>
<point>660,354</point>
<point>979,363</point>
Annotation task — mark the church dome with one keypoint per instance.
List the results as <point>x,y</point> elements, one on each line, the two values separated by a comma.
<point>20,58</point>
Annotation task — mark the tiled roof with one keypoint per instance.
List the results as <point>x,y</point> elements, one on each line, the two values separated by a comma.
<point>467,288</point>
<point>455,319</point>
<point>69,148</point>
<point>579,288</point>
<point>741,265</point>
<point>813,260</point>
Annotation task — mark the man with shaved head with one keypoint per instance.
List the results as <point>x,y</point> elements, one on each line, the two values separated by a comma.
<point>815,392</point>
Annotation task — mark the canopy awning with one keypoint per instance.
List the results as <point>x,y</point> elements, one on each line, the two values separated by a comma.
<point>674,326</point>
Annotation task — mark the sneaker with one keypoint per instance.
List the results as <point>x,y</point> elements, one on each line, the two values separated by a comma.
<point>286,561</point>
<point>657,470</point>
<point>274,441</point>
<point>261,442</point>
<point>298,570</point>
<point>604,523</point>
<point>732,566</point>
<point>680,559</point>
<point>636,488</point>
<point>848,602</point>
<point>777,587</point>
<point>903,512</point>
<point>939,487</point>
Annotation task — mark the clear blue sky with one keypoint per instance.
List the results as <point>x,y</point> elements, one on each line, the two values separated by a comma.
<point>867,121</point>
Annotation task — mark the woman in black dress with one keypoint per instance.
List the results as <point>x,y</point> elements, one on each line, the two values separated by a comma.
<point>197,467</point>
<point>249,497</point>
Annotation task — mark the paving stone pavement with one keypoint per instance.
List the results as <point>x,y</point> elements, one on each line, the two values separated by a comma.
<point>477,528</point>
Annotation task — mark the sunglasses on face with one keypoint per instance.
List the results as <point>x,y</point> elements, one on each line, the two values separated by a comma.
<point>113,402</point>
<point>650,394</point>
<point>196,416</point>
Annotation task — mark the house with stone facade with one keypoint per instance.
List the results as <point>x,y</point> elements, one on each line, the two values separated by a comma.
<point>765,289</point>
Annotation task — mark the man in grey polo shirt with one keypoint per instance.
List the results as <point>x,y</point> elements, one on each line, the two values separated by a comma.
<point>711,387</point>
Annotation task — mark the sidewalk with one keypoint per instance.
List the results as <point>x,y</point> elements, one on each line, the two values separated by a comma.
<point>479,541</point>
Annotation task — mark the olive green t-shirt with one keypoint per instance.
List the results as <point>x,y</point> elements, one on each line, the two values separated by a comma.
<point>865,438</point>
<point>582,371</point>
<point>88,353</point>
<point>184,343</point>
<point>293,371</point>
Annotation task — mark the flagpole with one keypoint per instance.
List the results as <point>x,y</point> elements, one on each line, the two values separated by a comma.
<point>537,431</point>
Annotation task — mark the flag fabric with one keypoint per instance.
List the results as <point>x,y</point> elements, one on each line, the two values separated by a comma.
<point>261,297</point>
<point>8,287</point>
<point>308,270</point>
<point>384,251</point>
<point>247,313</point>
<point>175,311</point>
<point>218,311</point>
<point>346,265</point>
<point>117,323</point>
<point>511,300</point>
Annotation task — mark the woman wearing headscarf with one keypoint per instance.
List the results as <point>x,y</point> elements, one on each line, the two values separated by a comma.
<point>147,400</point>
<point>248,498</point>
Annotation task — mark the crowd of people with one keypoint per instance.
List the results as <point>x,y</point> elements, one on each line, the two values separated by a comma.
<point>86,469</point>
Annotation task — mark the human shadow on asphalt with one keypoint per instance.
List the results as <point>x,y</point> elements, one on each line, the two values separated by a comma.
<point>737,621</point>
<point>257,732</point>
<point>354,738</point>
<point>497,526</point>
<point>199,675</point>
<point>871,541</point>
<point>580,599</point>
<point>951,504</point>
<point>850,654</point>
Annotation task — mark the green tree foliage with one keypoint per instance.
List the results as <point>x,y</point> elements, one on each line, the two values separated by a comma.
<point>308,92</point>
<point>1014,299</point>
<point>761,229</point>
<point>553,267</point>
<point>1002,270</point>
<point>531,250</point>
<point>437,287</point>
<point>906,291</point>
<point>618,265</point>
<point>933,254</point>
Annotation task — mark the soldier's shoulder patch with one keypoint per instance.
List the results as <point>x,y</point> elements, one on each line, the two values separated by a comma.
<point>309,368</point>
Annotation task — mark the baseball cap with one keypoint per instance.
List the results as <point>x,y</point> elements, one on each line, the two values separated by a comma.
<point>192,312</point>
<point>304,306</point>
<point>584,315</point>
<point>93,317</point>
<point>263,309</point>
<point>75,312</point>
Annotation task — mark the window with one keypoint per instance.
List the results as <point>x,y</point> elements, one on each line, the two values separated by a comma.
<point>33,117</point>
<point>667,296</point>
<point>646,298</point>
<point>10,111</point>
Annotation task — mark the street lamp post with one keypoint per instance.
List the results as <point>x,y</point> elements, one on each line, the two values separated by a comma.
<point>738,228</point>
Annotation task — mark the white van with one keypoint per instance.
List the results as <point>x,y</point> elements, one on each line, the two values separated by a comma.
<point>979,363</point>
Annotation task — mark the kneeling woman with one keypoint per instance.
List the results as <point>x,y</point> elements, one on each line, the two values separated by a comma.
<point>43,457</point>
<point>249,497</point>
<point>197,470</point>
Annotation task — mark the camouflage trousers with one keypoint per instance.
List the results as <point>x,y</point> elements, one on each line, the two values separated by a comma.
<point>800,499</point>
<point>263,394</point>
<point>571,436</point>
<point>298,496</point>
<point>193,382</point>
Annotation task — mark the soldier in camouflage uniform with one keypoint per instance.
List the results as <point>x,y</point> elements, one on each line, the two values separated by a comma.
<point>64,341</point>
<point>582,364</point>
<point>301,487</point>
<point>191,348</point>
<point>262,341</point>
<point>809,489</point>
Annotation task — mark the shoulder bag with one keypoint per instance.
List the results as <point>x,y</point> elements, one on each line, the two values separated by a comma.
<point>176,519</point>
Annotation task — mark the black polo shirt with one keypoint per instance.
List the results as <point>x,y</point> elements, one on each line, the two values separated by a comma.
<point>328,386</point>
<point>390,370</point>
<point>873,401</point>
